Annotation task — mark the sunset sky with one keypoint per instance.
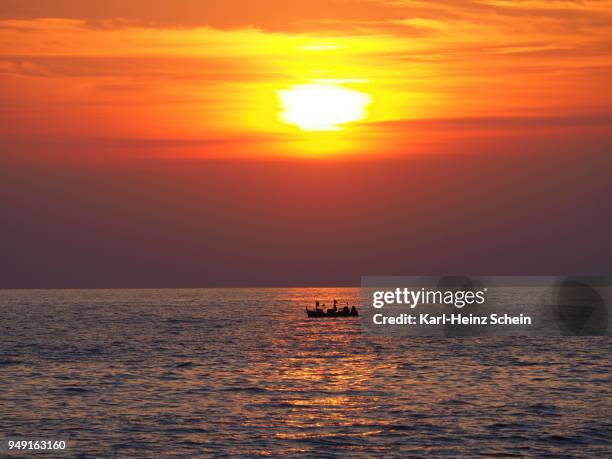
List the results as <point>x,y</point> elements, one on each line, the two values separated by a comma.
<point>239,142</point>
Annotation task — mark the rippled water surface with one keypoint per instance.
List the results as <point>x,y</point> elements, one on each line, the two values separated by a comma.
<point>211,372</point>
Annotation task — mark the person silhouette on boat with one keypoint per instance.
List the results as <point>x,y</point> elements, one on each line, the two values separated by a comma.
<point>321,310</point>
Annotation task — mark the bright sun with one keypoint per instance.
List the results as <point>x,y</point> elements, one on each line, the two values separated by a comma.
<point>322,107</point>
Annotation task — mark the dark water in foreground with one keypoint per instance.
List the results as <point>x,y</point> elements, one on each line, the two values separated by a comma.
<point>165,373</point>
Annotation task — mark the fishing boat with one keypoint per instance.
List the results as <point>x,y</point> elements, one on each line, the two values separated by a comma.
<point>332,312</point>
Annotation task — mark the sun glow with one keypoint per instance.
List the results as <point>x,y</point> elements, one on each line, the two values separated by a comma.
<point>322,106</point>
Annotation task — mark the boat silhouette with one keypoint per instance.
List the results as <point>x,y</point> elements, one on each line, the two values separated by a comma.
<point>332,312</point>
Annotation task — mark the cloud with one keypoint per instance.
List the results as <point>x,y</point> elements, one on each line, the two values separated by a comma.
<point>192,69</point>
<point>300,15</point>
<point>271,15</point>
<point>23,67</point>
<point>502,122</point>
<point>142,68</point>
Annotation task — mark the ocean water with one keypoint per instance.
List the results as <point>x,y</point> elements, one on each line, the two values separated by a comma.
<point>214,372</point>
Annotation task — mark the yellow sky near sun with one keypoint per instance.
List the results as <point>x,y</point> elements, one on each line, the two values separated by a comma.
<point>71,79</point>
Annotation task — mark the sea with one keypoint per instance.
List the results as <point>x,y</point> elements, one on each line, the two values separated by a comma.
<point>244,372</point>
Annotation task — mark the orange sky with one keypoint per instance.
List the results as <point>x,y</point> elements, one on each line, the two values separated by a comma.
<point>201,79</point>
<point>153,143</point>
